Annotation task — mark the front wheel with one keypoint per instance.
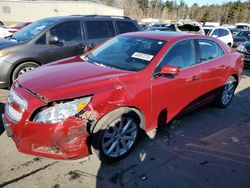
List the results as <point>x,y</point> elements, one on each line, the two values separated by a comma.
<point>22,69</point>
<point>116,136</point>
<point>227,93</point>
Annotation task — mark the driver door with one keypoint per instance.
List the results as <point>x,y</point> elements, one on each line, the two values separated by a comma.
<point>173,94</point>
<point>70,35</point>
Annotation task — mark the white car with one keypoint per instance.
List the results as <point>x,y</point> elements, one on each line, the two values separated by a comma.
<point>223,34</point>
<point>4,32</point>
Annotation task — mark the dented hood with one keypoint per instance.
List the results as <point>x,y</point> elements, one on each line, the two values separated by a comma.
<point>70,80</point>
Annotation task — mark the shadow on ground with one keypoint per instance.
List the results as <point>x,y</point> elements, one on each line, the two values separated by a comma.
<point>167,161</point>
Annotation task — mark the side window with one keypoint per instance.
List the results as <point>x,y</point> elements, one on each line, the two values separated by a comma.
<point>226,32</point>
<point>68,31</point>
<point>209,50</point>
<point>125,26</point>
<point>215,32</point>
<point>100,29</point>
<point>182,55</point>
<point>222,32</point>
<point>42,40</point>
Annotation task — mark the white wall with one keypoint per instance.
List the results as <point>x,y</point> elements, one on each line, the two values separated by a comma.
<point>17,11</point>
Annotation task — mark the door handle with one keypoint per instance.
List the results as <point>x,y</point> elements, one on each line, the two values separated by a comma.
<point>194,78</point>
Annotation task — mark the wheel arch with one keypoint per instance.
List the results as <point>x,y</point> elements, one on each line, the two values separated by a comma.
<point>138,113</point>
<point>236,77</point>
<point>19,63</point>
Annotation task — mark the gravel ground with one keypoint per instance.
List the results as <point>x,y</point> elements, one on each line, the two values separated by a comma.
<point>206,148</point>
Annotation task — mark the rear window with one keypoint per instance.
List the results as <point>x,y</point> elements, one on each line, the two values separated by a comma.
<point>209,50</point>
<point>100,29</point>
<point>125,27</point>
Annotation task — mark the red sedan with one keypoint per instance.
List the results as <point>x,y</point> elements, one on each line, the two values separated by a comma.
<point>100,101</point>
<point>17,27</point>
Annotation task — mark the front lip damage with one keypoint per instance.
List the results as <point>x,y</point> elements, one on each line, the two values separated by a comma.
<point>68,139</point>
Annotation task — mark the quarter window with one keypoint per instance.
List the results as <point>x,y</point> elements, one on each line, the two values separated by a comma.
<point>209,50</point>
<point>181,55</point>
<point>125,26</point>
<point>216,32</point>
<point>100,29</point>
<point>67,31</point>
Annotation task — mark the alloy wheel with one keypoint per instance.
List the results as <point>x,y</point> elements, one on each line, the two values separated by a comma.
<point>228,93</point>
<point>119,137</point>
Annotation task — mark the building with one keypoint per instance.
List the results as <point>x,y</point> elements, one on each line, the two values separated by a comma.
<point>12,11</point>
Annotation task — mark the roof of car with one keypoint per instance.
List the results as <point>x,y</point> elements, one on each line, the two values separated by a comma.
<point>57,18</point>
<point>161,35</point>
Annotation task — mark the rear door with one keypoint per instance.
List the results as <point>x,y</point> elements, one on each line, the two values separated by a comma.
<point>70,35</point>
<point>98,31</point>
<point>213,65</point>
<point>176,93</point>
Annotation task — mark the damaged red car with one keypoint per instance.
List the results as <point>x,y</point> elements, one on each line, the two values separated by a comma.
<point>100,102</point>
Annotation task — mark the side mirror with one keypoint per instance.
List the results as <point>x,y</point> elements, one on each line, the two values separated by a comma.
<point>168,71</point>
<point>215,36</point>
<point>53,40</point>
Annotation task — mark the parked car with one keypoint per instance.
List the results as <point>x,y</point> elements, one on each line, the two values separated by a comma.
<point>17,27</point>
<point>51,39</point>
<point>187,25</point>
<point>4,32</point>
<point>234,31</point>
<point>242,36</point>
<point>165,28</point>
<point>243,26</point>
<point>244,48</point>
<point>223,34</point>
<point>134,81</point>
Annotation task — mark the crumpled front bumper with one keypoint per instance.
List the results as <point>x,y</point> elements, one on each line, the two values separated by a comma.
<point>66,140</point>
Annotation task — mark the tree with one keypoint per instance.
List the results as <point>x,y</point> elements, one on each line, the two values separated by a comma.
<point>143,5</point>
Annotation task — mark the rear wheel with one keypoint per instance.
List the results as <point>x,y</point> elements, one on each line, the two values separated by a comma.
<point>227,93</point>
<point>116,135</point>
<point>22,69</point>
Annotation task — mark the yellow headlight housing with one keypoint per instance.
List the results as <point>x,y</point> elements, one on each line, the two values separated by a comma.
<point>4,52</point>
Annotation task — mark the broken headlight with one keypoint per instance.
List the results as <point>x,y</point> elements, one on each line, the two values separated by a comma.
<point>62,111</point>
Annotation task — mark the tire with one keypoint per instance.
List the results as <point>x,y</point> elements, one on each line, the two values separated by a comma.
<point>227,93</point>
<point>23,68</point>
<point>115,135</point>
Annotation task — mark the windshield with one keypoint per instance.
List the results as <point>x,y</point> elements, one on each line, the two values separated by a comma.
<point>243,34</point>
<point>241,27</point>
<point>33,29</point>
<point>126,53</point>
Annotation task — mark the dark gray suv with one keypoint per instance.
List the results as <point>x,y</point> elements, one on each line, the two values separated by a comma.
<point>55,38</point>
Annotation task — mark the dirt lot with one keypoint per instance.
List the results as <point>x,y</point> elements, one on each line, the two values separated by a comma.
<point>207,148</point>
